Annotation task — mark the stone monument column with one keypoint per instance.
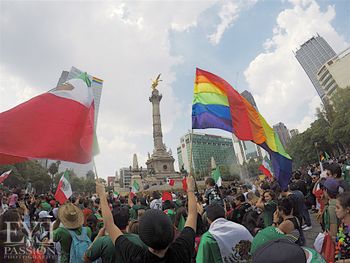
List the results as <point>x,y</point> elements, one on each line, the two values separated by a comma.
<point>161,163</point>
<point>157,125</point>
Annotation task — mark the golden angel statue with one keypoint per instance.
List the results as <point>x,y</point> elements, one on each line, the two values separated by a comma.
<point>156,82</point>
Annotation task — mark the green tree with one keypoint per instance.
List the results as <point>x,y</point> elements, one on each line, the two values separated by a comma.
<point>90,175</point>
<point>29,171</point>
<point>330,132</point>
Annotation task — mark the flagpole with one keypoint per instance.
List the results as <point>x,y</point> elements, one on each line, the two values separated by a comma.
<point>94,165</point>
<point>191,160</point>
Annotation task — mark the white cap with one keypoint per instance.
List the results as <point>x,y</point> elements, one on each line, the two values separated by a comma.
<point>44,214</point>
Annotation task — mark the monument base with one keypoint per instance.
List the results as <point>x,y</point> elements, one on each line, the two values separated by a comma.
<point>161,166</point>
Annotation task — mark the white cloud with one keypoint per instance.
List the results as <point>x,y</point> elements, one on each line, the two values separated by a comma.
<point>228,14</point>
<point>124,43</point>
<point>19,90</point>
<point>281,87</point>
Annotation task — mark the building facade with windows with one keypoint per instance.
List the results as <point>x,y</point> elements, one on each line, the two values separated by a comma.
<point>311,56</point>
<point>293,132</point>
<point>125,174</point>
<point>204,147</point>
<point>335,73</point>
<point>283,133</point>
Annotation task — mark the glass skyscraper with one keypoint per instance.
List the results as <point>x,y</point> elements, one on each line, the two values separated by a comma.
<point>204,147</point>
<point>311,56</point>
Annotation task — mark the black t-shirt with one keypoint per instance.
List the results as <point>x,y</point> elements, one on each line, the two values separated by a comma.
<point>179,251</point>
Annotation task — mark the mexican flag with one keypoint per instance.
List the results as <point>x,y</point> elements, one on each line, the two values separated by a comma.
<point>135,187</point>
<point>64,189</point>
<point>265,167</point>
<point>170,182</point>
<point>222,242</point>
<point>57,125</point>
<point>4,176</point>
<point>217,176</point>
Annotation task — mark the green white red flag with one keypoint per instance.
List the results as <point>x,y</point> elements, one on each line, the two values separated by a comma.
<point>170,182</point>
<point>64,189</point>
<point>265,167</point>
<point>4,176</point>
<point>217,176</point>
<point>57,125</point>
<point>135,187</point>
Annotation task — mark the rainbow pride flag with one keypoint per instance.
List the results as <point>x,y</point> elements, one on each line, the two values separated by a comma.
<point>216,104</point>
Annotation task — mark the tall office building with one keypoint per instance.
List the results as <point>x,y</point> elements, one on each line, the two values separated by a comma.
<point>335,73</point>
<point>125,176</point>
<point>294,132</point>
<point>283,133</point>
<point>311,56</point>
<point>96,85</point>
<point>204,147</point>
<point>249,97</point>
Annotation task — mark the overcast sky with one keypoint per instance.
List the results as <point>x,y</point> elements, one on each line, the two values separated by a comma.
<point>127,43</point>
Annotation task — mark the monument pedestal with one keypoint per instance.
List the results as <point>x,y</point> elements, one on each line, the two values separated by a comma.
<point>161,166</point>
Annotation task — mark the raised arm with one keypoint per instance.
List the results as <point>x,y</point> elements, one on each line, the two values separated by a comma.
<point>113,231</point>
<point>192,205</point>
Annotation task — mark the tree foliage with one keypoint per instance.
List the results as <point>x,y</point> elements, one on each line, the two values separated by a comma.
<point>23,173</point>
<point>330,132</point>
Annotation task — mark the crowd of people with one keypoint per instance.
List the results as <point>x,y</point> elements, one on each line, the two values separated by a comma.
<point>239,222</point>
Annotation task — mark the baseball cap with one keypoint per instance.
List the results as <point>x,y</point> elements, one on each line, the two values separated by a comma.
<point>156,229</point>
<point>332,185</point>
<point>271,252</point>
<point>44,214</point>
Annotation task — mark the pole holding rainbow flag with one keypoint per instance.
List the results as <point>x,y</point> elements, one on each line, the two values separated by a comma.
<point>216,104</point>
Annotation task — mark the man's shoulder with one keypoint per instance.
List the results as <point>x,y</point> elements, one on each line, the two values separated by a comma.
<point>207,238</point>
<point>134,238</point>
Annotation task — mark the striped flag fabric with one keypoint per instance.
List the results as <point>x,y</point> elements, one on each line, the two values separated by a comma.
<point>57,125</point>
<point>4,176</point>
<point>217,176</point>
<point>64,189</point>
<point>135,187</point>
<point>216,104</point>
<point>265,167</point>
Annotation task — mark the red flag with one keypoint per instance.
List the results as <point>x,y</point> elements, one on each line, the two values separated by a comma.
<point>4,176</point>
<point>167,196</point>
<point>56,125</point>
<point>265,171</point>
<point>170,182</point>
<point>184,183</point>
